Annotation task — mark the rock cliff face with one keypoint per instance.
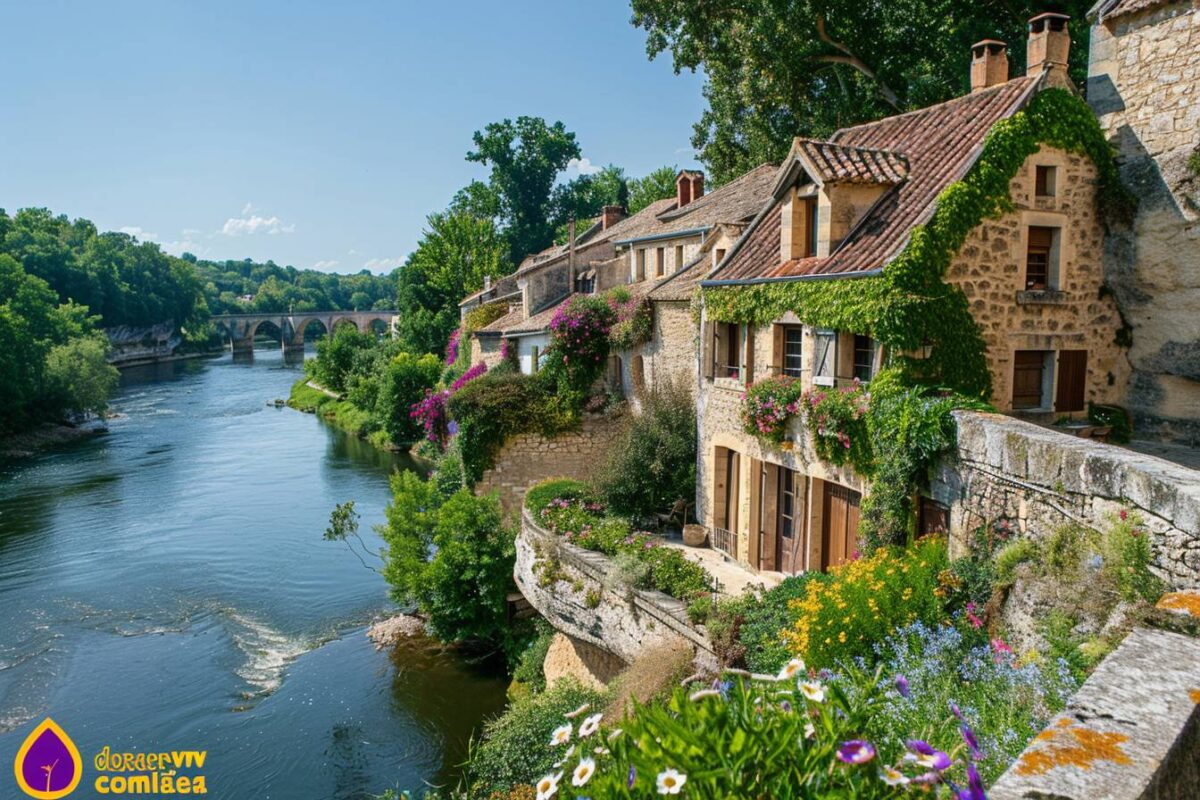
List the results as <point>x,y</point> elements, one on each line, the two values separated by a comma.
<point>136,344</point>
<point>1144,85</point>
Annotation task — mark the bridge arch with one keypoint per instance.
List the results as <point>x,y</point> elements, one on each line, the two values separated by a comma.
<point>303,324</point>
<point>339,321</point>
<point>381,326</point>
<point>272,324</point>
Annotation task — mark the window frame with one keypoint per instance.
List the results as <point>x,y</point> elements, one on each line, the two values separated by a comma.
<point>1048,250</point>
<point>785,355</point>
<point>1045,180</point>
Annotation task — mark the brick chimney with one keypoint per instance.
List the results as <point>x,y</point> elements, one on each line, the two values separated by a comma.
<point>1049,44</point>
<point>689,186</point>
<point>989,64</point>
<point>611,215</point>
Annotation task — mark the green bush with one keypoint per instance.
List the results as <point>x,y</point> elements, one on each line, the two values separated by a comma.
<point>1115,417</point>
<point>653,463</point>
<point>764,619</point>
<point>78,376</point>
<point>842,618</point>
<point>339,356</point>
<point>403,382</point>
<point>1127,556</point>
<point>515,747</point>
<point>529,672</point>
<point>497,405</point>
<point>1011,556</point>
<point>540,495</point>
<point>1064,550</point>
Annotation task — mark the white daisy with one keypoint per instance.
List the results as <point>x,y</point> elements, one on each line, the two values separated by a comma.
<point>790,669</point>
<point>590,725</point>
<point>561,735</point>
<point>893,777</point>
<point>670,781</point>
<point>583,772</point>
<point>547,787</point>
<point>810,730</point>
<point>601,751</point>
<point>813,691</point>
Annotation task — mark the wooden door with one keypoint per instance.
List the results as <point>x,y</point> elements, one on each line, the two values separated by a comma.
<point>791,521</point>
<point>840,534</point>
<point>1072,380</point>
<point>768,549</point>
<point>1028,366</point>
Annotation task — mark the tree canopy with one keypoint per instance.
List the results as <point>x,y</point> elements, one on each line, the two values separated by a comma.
<point>776,70</point>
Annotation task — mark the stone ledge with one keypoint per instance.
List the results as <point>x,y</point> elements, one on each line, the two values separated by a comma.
<point>1132,731</point>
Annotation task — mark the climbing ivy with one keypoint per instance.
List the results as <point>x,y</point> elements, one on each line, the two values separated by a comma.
<point>910,305</point>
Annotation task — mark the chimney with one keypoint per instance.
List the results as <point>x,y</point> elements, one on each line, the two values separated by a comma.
<point>1049,44</point>
<point>697,185</point>
<point>611,215</point>
<point>989,64</point>
<point>683,189</point>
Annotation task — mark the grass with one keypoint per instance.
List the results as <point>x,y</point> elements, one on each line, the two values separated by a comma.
<point>341,413</point>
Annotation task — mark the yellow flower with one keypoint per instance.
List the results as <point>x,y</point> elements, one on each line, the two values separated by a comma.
<point>842,637</point>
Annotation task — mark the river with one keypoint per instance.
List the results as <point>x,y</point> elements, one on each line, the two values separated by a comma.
<point>166,586</point>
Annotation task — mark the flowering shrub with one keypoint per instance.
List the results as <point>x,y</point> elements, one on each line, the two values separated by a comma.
<point>468,376</point>
<point>432,416</point>
<point>836,418</point>
<point>942,680</point>
<point>797,735</point>
<point>452,346</point>
<point>582,522</point>
<point>769,405</point>
<point>634,324</point>
<point>866,600</point>
<point>579,341</point>
<point>1127,556</point>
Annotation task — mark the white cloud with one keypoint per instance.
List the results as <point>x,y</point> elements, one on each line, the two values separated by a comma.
<point>581,166</point>
<point>138,233</point>
<point>329,264</point>
<point>252,222</point>
<point>382,264</point>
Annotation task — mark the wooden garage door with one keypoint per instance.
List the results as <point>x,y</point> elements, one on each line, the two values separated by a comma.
<point>840,530</point>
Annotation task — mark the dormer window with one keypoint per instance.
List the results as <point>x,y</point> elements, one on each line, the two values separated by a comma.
<point>1044,181</point>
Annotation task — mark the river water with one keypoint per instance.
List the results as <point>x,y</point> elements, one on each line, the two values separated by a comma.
<point>166,586</point>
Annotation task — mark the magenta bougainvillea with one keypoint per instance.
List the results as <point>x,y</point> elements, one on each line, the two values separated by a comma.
<point>634,323</point>
<point>452,346</point>
<point>468,376</point>
<point>768,406</point>
<point>433,417</point>
<point>579,339</point>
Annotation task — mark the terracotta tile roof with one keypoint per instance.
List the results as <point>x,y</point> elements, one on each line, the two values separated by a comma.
<point>499,326</point>
<point>1109,9</point>
<point>940,143</point>
<point>834,163</point>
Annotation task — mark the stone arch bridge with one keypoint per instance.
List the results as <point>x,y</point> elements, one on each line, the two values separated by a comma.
<point>242,328</point>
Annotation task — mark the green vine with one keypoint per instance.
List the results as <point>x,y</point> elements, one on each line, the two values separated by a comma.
<point>910,306</point>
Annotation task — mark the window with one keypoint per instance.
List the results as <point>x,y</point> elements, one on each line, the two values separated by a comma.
<point>812,227</point>
<point>1072,381</point>
<point>793,350</point>
<point>659,262</point>
<point>678,257</point>
<point>720,254</point>
<point>1044,181</point>
<point>640,273</point>
<point>864,357</point>
<point>787,503</point>
<point>825,358</point>
<point>730,360</point>
<point>586,284</point>
<point>1031,377</point>
<point>1041,259</point>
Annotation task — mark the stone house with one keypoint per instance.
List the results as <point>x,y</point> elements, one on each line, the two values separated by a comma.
<point>660,253</point>
<point>1143,84</point>
<point>843,210</point>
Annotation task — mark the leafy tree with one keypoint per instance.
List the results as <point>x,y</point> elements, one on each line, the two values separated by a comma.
<point>339,355</point>
<point>78,375</point>
<point>776,70</point>
<point>403,383</point>
<point>525,158</point>
<point>658,185</point>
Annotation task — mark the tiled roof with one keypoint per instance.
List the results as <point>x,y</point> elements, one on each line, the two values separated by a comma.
<point>834,163</point>
<point>1108,9</point>
<point>498,326</point>
<point>940,143</point>
<point>738,200</point>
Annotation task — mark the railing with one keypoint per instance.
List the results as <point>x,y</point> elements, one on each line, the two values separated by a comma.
<point>725,541</point>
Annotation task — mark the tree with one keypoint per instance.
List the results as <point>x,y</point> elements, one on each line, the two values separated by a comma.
<point>583,198</point>
<point>658,185</point>
<point>338,355</point>
<point>525,158</point>
<point>776,70</point>
<point>78,375</point>
<point>402,384</point>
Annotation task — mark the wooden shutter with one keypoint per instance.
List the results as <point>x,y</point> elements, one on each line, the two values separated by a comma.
<point>1027,378</point>
<point>1072,380</point>
<point>757,512</point>
<point>770,522</point>
<point>778,349</point>
<point>708,349</point>
<point>748,357</point>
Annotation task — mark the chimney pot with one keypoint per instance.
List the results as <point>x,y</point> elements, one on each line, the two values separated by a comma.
<point>697,185</point>
<point>1049,45</point>
<point>989,64</point>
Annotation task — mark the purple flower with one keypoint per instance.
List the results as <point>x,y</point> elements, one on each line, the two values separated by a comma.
<point>856,751</point>
<point>972,741</point>
<point>452,427</point>
<point>927,756</point>
<point>974,790</point>
<point>902,686</point>
<point>956,712</point>
<point>632,776</point>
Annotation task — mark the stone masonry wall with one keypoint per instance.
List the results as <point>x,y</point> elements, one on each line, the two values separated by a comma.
<point>528,458</point>
<point>1144,85</point>
<point>669,356</point>
<point>1044,478</point>
<point>990,269</point>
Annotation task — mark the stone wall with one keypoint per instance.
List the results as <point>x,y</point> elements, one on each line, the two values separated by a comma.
<point>592,666</point>
<point>990,269</point>
<point>528,458</point>
<point>1043,478</point>
<point>1131,732</point>
<point>580,593</point>
<point>669,356</point>
<point>1144,85</point>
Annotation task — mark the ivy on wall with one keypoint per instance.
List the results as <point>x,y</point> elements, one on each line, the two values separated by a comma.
<point>910,306</point>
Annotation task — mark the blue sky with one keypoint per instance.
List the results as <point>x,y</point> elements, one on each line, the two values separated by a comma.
<point>315,134</point>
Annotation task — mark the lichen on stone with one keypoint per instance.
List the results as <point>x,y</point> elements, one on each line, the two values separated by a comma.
<point>1188,602</point>
<point>1068,744</point>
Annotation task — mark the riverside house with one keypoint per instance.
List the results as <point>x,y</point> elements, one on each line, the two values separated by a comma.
<point>851,212</point>
<point>659,254</point>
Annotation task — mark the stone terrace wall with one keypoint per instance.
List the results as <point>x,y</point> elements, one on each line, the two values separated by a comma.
<point>1043,478</point>
<point>529,458</point>
<point>1131,732</point>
